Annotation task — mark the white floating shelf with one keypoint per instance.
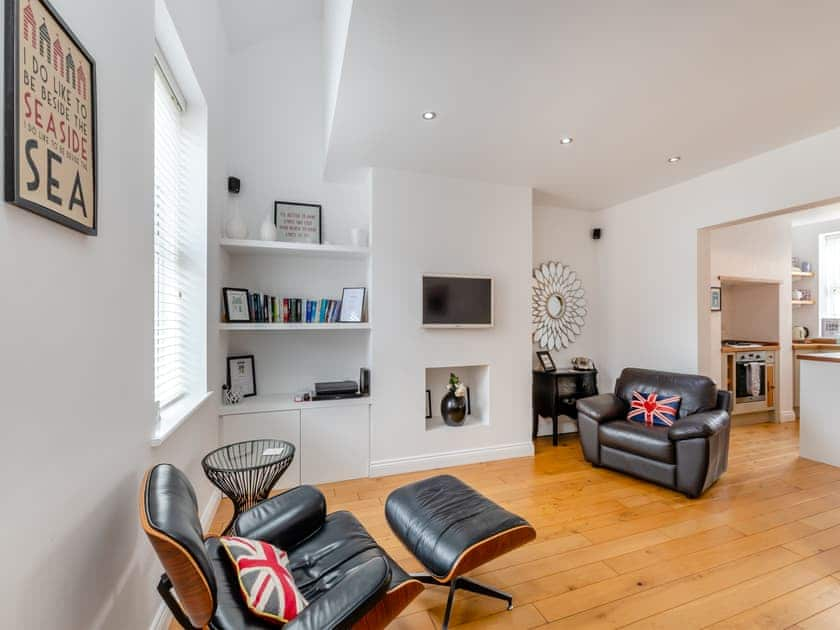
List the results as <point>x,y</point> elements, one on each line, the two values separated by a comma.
<point>314,327</point>
<point>279,248</point>
<point>286,402</point>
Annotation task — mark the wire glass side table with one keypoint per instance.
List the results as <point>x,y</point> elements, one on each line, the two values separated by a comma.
<point>247,471</point>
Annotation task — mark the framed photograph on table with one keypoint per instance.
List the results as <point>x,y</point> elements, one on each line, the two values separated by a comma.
<point>241,375</point>
<point>237,304</point>
<point>428,404</point>
<point>298,222</point>
<point>352,305</point>
<point>546,361</point>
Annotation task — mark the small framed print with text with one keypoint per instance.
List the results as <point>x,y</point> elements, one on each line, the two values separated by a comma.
<point>352,305</point>
<point>51,126</point>
<point>241,375</point>
<point>298,222</point>
<point>716,301</point>
<point>237,305</point>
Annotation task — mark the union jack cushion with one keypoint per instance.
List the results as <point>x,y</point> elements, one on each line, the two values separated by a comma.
<point>653,409</point>
<point>264,578</point>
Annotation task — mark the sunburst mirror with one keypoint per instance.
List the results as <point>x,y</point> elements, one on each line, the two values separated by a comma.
<point>558,306</point>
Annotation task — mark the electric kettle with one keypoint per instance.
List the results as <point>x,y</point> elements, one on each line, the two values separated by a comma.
<point>800,333</point>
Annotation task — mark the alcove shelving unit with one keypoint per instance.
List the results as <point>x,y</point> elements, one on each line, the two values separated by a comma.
<point>332,438</point>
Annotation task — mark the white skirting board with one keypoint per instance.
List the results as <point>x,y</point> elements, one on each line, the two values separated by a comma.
<point>163,617</point>
<point>452,458</point>
<point>788,416</point>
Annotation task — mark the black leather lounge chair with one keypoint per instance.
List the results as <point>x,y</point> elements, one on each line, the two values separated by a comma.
<point>347,578</point>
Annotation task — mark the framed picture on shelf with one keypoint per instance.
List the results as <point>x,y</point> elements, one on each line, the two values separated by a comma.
<point>51,120</point>
<point>241,376</point>
<point>428,404</point>
<point>237,304</point>
<point>352,305</point>
<point>716,299</point>
<point>298,222</point>
<point>546,361</point>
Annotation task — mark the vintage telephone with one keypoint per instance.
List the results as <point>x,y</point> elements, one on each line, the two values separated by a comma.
<point>583,363</point>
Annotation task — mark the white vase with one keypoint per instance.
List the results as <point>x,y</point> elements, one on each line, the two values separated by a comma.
<point>235,226</point>
<point>268,232</point>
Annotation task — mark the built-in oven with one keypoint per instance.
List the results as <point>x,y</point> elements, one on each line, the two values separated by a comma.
<point>751,376</point>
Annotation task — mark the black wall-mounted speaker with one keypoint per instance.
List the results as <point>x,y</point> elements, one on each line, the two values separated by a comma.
<point>596,234</point>
<point>234,185</point>
<point>364,381</point>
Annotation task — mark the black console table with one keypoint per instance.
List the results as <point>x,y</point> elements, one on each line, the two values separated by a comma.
<point>556,393</point>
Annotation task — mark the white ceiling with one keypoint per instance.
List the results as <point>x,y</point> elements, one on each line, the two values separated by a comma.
<point>633,81</point>
<point>248,22</point>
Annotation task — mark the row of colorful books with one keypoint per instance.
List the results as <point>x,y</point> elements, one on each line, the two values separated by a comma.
<point>275,310</point>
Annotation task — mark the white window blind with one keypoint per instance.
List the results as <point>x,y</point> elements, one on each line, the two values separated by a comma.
<point>175,271</point>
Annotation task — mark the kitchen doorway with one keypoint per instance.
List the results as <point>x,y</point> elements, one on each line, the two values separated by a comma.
<point>763,301</point>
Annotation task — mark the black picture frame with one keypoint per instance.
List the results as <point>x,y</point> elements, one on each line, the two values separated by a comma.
<point>546,361</point>
<point>225,292</point>
<point>342,317</point>
<point>715,299</point>
<point>245,357</point>
<point>12,132</point>
<point>304,205</point>
<point>428,404</point>
<point>469,402</point>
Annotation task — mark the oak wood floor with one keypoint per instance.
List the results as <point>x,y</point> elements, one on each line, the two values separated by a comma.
<point>760,550</point>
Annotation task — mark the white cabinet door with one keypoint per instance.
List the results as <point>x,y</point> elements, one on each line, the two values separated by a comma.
<point>335,443</point>
<point>274,425</point>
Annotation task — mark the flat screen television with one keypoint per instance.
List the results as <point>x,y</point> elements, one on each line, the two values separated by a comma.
<point>457,301</point>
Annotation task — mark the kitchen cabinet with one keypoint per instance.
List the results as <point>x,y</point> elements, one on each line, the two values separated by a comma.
<point>335,443</point>
<point>276,425</point>
<point>332,443</point>
<point>807,347</point>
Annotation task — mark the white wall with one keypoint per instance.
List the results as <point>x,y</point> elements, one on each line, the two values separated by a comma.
<point>438,225</point>
<point>78,426</point>
<point>806,246</point>
<point>650,244</point>
<point>276,133</point>
<point>565,235</point>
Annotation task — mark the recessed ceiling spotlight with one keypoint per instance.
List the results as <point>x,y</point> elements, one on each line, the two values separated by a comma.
<point>429,115</point>
<point>566,140</point>
<point>674,159</point>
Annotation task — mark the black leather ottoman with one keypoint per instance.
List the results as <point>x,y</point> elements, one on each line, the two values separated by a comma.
<point>452,529</point>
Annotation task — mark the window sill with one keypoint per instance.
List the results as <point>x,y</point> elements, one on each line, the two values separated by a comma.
<point>174,416</point>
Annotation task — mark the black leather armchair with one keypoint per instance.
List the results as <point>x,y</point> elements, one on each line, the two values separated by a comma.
<point>348,580</point>
<point>688,456</point>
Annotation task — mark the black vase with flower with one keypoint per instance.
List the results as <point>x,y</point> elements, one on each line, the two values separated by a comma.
<point>453,406</point>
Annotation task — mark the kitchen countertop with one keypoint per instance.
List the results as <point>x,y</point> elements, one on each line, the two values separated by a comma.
<point>827,357</point>
<point>815,346</point>
<point>763,347</point>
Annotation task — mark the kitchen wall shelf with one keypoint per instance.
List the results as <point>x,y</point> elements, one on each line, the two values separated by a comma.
<point>802,302</point>
<point>802,274</point>
<point>296,327</point>
<point>279,248</point>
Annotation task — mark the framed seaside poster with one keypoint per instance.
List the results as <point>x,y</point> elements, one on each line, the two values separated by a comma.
<point>50,109</point>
